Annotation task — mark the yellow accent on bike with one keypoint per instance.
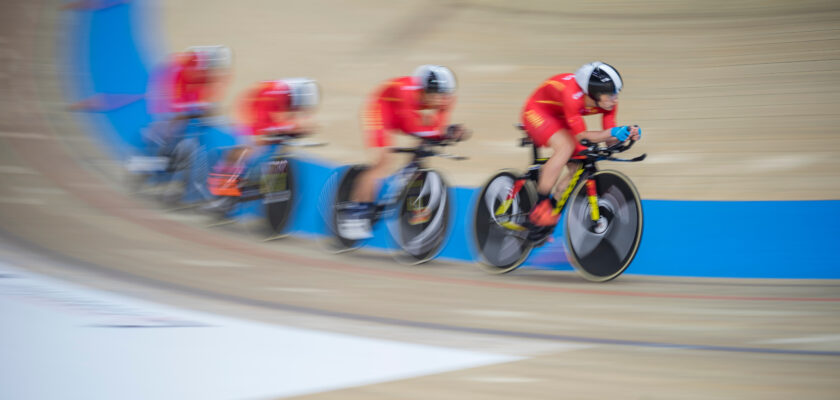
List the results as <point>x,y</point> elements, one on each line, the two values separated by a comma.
<point>512,226</point>
<point>568,190</point>
<point>593,205</point>
<point>504,207</point>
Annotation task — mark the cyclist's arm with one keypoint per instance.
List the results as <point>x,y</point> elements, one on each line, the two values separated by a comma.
<point>297,123</point>
<point>596,136</point>
<point>578,126</point>
<point>608,122</point>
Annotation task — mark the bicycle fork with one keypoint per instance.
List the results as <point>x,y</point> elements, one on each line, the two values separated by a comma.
<point>591,192</point>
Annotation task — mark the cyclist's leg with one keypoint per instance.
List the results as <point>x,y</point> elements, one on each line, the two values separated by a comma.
<point>367,184</point>
<point>563,145</point>
<point>566,178</point>
<point>547,131</point>
<point>356,217</point>
<point>544,213</point>
<point>175,128</point>
<point>378,128</point>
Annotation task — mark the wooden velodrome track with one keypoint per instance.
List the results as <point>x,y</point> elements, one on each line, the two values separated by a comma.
<point>737,100</point>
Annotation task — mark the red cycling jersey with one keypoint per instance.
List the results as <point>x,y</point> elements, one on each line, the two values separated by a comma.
<point>397,105</point>
<point>559,104</point>
<point>264,109</point>
<point>190,84</point>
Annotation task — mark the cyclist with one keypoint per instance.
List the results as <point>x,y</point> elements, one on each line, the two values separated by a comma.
<point>279,107</point>
<point>189,84</point>
<point>552,117</point>
<point>417,105</point>
<point>197,78</point>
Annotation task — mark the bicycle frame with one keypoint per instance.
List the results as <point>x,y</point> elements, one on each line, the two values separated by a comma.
<point>226,184</point>
<point>585,167</point>
<point>395,184</point>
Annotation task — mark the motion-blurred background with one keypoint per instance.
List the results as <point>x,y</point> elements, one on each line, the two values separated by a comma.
<point>736,99</point>
<point>737,102</point>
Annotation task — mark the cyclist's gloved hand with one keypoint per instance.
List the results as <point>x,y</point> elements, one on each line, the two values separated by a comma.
<point>457,133</point>
<point>635,132</point>
<point>620,132</point>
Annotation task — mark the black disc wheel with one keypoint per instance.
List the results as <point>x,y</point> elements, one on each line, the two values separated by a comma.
<point>601,250</point>
<point>501,241</point>
<point>343,191</point>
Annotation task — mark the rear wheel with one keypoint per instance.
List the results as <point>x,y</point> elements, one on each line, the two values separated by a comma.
<point>423,221</point>
<point>503,248</point>
<point>601,250</point>
<point>343,190</point>
<point>277,190</point>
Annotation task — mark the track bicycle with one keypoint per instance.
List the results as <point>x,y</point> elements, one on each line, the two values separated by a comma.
<point>603,215</point>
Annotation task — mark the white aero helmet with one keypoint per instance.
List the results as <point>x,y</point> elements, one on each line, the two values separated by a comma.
<point>305,92</point>
<point>598,78</point>
<point>435,78</point>
<point>212,57</point>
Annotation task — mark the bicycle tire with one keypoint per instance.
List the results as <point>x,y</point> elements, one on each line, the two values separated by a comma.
<point>421,240</point>
<point>342,195</point>
<point>500,251</point>
<point>601,251</point>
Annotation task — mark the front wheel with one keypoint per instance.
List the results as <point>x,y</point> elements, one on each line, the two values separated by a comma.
<point>423,216</point>
<point>500,238</point>
<point>601,250</point>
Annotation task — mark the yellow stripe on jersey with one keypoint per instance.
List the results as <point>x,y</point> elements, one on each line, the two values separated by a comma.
<point>555,103</point>
<point>533,118</point>
<point>555,84</point>
<point>373,117</point>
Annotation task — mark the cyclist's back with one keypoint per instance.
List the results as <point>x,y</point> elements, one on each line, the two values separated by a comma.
<point>397,106</point>
<point>558,103</point>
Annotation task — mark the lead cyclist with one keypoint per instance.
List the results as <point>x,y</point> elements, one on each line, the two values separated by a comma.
<point>553,117</point>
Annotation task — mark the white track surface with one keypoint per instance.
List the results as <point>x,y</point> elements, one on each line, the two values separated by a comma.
<point>90,344</point>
